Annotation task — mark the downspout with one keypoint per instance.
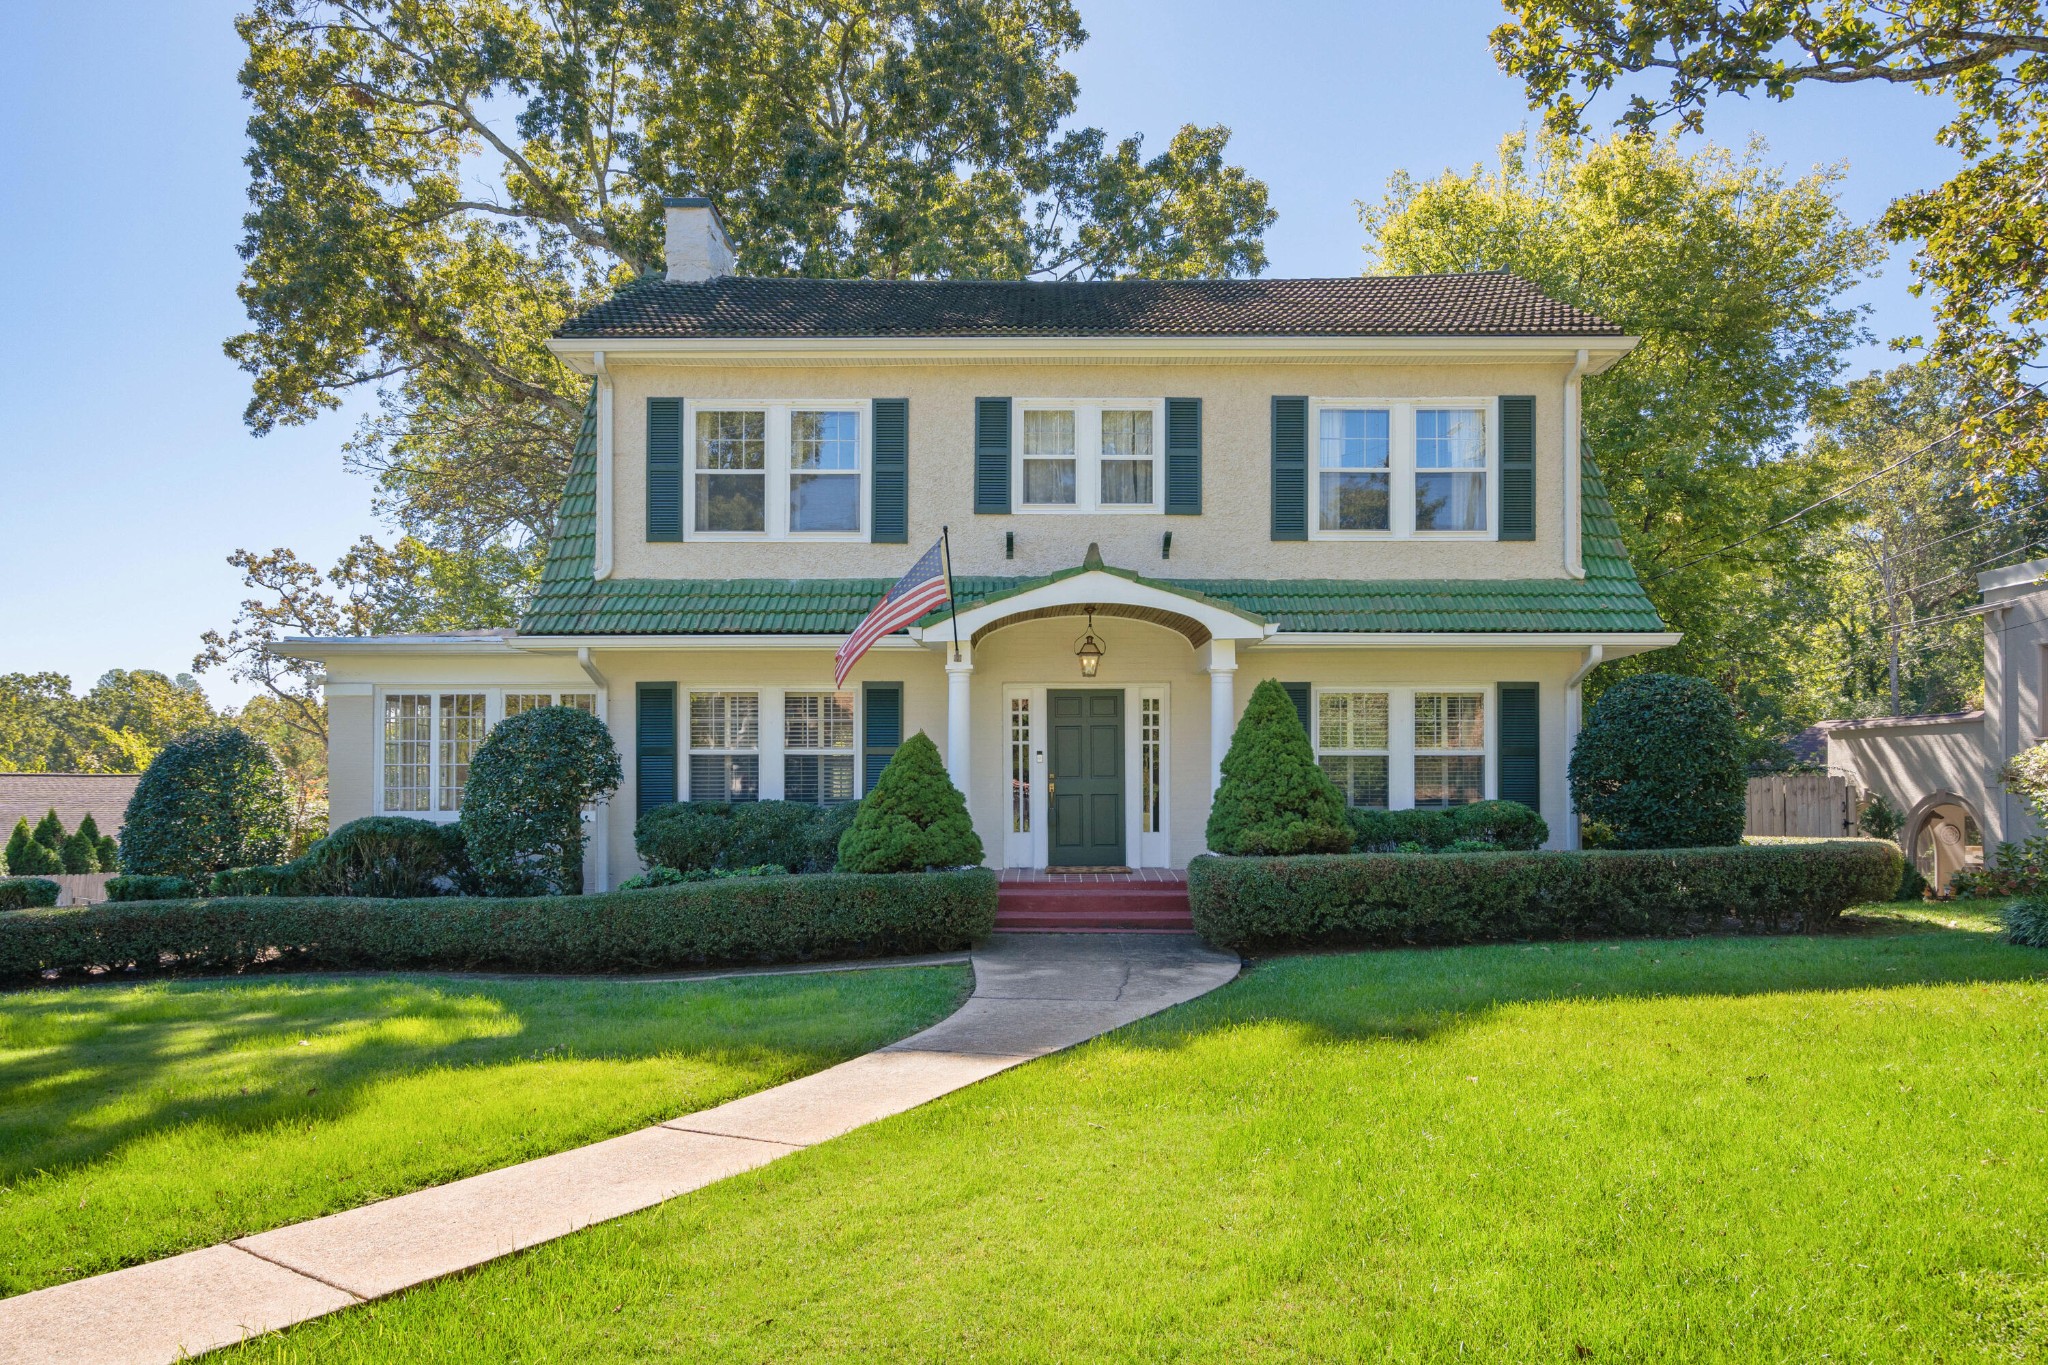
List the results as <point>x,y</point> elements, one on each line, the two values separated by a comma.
<point>601,818</point>
<point>1574,556</point>
<point>601,558</point>
<point>1572,709</point>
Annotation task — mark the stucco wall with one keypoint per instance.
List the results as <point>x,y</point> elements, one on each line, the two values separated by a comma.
<point>1231,538</point>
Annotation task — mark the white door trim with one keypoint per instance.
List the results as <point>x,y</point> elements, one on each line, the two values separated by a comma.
<point>1145,848</point>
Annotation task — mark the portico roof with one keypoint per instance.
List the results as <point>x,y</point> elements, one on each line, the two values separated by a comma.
<point>1109,592</point>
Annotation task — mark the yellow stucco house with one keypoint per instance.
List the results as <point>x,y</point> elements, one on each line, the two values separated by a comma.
<point>1369,489</point>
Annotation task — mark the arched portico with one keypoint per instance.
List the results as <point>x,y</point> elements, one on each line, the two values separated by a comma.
<point>1943,835</point>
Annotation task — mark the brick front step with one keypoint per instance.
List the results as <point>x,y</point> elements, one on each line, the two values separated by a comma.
<point>1095,906</point>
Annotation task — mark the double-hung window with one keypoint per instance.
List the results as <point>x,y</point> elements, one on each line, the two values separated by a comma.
<point>1394,468</point>
<point>1450,749</point>
<point>779,470</point>
<point>725,746</point>
<point>516,702</point>
<point>1088,456</point>
<point>1354,745</point>
<point>818,748</point>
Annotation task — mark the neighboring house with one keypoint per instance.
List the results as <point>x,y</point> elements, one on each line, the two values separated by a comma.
<point>103,796</point>
<point>1369,489</point>
<point>1943,771</point>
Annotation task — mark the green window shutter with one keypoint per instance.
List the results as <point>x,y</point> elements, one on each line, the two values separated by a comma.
<point>1517,467</point>
<point>654,746</point>
<point>1298,693</point>
<point>890,494</point>
<point>1518,767</point>
<point>881,729</point>
<point>1290,469</point>
<point>992,455</point>
<point>1183,457</point>
<point>664,469</point>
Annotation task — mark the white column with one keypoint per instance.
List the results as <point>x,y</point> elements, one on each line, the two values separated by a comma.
<point>1222,706</point>
<point>959,723</point>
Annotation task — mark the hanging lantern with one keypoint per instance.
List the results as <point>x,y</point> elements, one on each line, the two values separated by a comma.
<point>1089,651</point>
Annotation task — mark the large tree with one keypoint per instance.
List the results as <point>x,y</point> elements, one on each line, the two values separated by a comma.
<point>1732,275</point>
<point>1983,233</point>
<point>117,727</point>
<point>436,184</point>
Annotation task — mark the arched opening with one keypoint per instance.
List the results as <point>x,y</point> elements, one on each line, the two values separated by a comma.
<point>1944,837</point>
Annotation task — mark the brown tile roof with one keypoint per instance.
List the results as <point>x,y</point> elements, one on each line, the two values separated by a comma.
<point>104,796</point>
<point>1489,304</point>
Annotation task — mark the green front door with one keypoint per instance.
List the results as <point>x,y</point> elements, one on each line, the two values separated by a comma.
<point>1087,771</point>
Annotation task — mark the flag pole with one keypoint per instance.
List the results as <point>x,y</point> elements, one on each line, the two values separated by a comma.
<point>946,552</point>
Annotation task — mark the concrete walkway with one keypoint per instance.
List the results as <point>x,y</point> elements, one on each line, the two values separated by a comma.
<point>1033,994</point>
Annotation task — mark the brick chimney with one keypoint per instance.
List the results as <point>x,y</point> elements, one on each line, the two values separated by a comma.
<point>698,248</point>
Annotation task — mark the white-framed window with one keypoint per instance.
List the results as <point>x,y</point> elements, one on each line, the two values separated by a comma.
<point>1092,455</point>
<point>428,737</point>
<point>1396,747</point>
<point>1020,763</point>
<point>1355,745</point>
<point>1151,763</point>
<point>1404,467</point>
<point>725,746</point>
<point>1450,749</point>
<point>819,750</point>
<point>776,470</point>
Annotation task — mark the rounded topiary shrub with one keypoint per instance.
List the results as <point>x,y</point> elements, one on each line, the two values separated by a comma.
<point>381,855</point>
<point>915,818</point>
<point>522,812</point>
<point>1274,799</point>
<point>1660,764</point>
<point>212,799</point>
<point>688,836</point>
<point>27,893</point>
<point>1500,824</point>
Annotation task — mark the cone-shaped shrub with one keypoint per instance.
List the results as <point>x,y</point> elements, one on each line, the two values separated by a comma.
<point>81,853</point>
<point>110,853</point>
<point>26,857</point>
<point>211,800</point>
<point>50,832</point>
<point>914,819</point>
<point>1274,799</point>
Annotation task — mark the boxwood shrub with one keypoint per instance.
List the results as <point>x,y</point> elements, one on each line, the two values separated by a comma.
<point>715,836</point>
<point>24,893</point>
<point>731,920</point>
<point>137,886</point>
<point>1410,898</point>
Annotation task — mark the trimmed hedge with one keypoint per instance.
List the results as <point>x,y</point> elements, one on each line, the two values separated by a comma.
<point>137,886</point>
<point>1410,898</point>
<point>732,920</point>
<point>27,893</point>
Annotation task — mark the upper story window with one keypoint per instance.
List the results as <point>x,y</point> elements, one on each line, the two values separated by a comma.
<point>776,470</point>
<point>1088,456</point>
<point>1399,468</point>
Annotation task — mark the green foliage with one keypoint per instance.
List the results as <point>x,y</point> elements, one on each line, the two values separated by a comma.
<point>2026,921</point>
<point>522,812</point>
<point>1274,799</point>
<point>1660,762</point>
<point>727,920</point>
<point>1912,885</point>
<point>213,799</point>
<point>109,853</point>
<point>1982,232</point>
<point>278,880</point>
<point>27,858</point>
<point>703,836</point>
<point>384,855</point>
<point>27,893</point>
<point>668,876</point>
<point>2013,870</point>
<point>1390,831</point>
<point>1879,818</point>
<point>2026,776</point>
<point>80,853</point>
<point>1500,824</point>
<point>914,819</point>
<point>136,887</point>
<point>117,727</point>
<point>49,832</point>
<point>1396,898</point>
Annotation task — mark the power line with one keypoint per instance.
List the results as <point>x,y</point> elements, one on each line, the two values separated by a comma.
<point>1835,496</point>
<point>1896,593</point>
<point>1956,535</point>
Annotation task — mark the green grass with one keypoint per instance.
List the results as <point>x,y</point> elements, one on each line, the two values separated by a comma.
<point>138,1121</point>
<point>1748,1149</point>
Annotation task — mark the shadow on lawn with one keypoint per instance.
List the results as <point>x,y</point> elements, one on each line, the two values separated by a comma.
<point>83,1072</point>
<point>1416,994</point>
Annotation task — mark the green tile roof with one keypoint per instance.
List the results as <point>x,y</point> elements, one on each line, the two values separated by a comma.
<point>570,602</point>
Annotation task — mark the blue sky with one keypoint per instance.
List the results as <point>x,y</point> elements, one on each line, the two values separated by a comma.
<point>126,476</point>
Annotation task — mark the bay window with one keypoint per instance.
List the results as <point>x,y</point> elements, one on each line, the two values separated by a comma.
<point>777,470</point>
<point>1088,455</point>
<point>1396,468</point>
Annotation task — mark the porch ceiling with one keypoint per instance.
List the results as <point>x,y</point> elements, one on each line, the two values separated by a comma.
<point>1197,634</point>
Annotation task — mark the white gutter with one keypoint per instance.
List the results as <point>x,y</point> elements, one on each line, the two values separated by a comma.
<point>590,669</point>
<point>601,557</point>
<point>1574,550</point>
<point>1573,707</point>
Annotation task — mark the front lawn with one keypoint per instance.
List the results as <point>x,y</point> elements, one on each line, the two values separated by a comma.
<point>138,1121</point>
<point>1752,1149</point>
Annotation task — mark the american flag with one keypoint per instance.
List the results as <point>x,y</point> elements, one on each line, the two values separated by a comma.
<point>918,592</point>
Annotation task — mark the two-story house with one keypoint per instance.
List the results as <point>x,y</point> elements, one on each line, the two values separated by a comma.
<point>1370,489</point>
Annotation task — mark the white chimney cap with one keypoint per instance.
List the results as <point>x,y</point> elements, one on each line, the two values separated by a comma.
<point>698,248</point>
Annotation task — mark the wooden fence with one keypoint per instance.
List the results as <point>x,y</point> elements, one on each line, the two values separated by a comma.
<point>1816,805</point>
